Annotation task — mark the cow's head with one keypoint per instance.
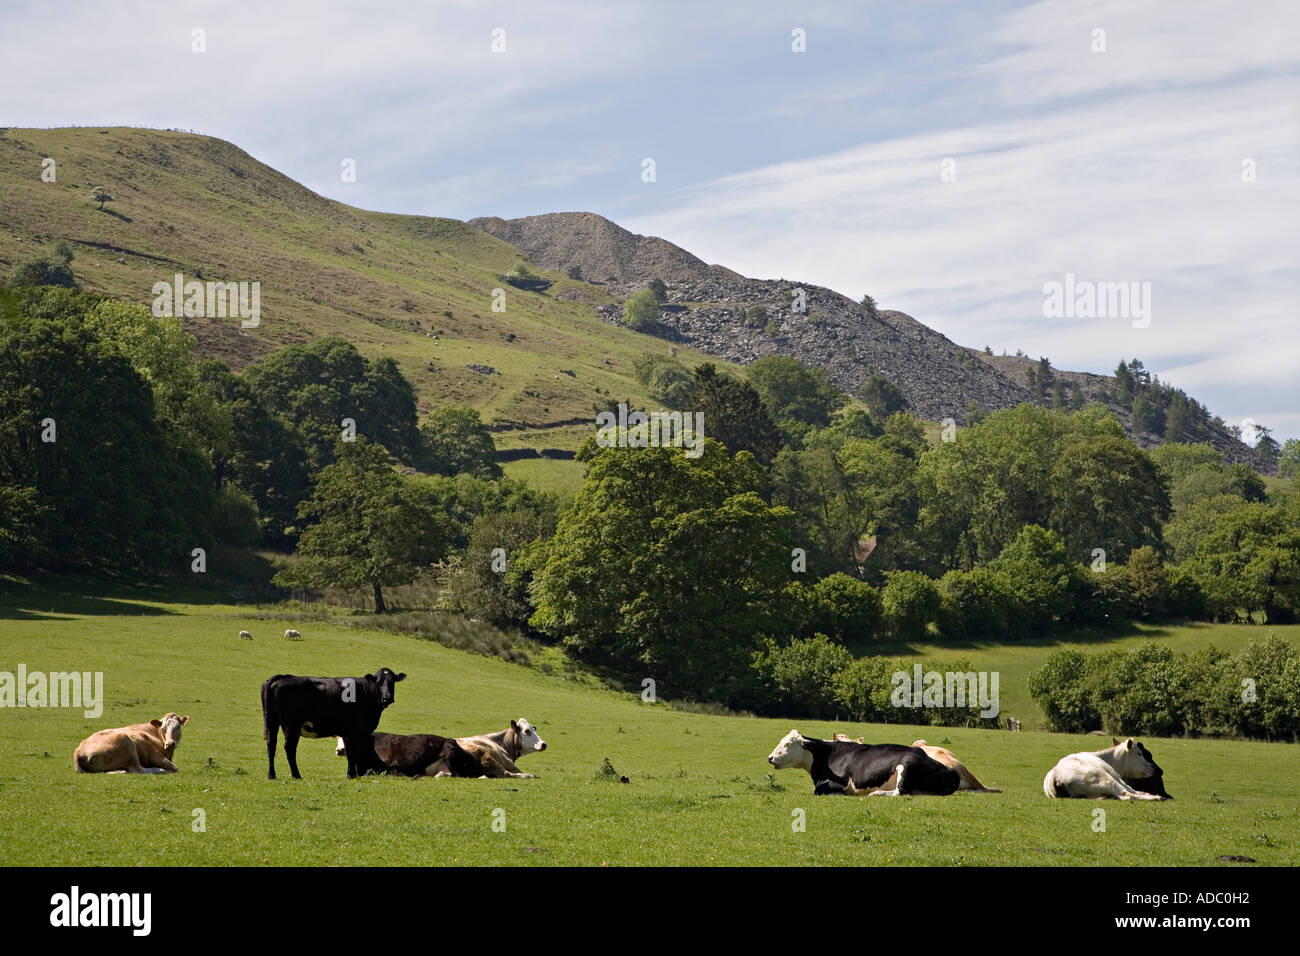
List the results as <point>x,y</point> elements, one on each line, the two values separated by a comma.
<point>339,749</point>
<point>1133,761</point>
<point>526,733</point>
<point>384,680</point>
<point>169,727</point>
<point>791,752</point>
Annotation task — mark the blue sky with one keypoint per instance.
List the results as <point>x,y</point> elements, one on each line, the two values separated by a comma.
<point>1115,164</point>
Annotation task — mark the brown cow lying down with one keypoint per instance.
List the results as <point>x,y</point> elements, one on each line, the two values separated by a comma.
<point>140,748</point>
<point>494,755</point>
<point>945,757</point>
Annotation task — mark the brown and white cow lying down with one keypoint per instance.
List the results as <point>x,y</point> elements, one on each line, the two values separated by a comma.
<point>430,755</point>
<point>140,748</point>
<point>968,780</point>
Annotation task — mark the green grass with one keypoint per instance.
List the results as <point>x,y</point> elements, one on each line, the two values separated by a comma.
<point>700,791</point>
<point>558,475</point>
<point>1015,662</point>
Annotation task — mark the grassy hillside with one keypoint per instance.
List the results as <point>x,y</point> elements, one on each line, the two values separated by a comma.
<point>414,288</point>
<point>699,790</point>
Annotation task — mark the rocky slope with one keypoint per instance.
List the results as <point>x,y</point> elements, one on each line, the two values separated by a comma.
<point>723,313</point>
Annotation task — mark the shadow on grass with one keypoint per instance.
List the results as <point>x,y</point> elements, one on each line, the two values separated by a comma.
<point>65,596</point>
<point>1084,635</point>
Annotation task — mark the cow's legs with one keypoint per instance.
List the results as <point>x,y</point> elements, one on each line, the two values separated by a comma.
<point>272,732</point>
<point>898,785</point>
<point>362,758</point>
<point>163,765</point>
<point>291,750</point>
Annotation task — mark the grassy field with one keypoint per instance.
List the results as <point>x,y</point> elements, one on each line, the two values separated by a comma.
<point>699,790</point>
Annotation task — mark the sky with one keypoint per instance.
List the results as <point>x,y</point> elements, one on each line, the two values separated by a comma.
<point>953,160</point>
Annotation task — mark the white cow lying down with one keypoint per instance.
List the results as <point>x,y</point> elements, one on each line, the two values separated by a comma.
<point>1102,774</point>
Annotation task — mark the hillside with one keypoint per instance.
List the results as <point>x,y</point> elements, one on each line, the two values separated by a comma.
<point>420,289</point>
<point>414,288</point>
<point>720,312</point>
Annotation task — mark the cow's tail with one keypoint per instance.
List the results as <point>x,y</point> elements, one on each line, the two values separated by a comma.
<point>80,762</point>
<point>270,725</point>
<point>1051,787</point>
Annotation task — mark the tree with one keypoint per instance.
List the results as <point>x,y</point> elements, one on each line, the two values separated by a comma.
<point>1123,384</point>
<point>114,487</point>
<point>868,305</point>
<point>1036,564</point>
<point>882,397</point>
<point>669,568</point>
<point>734,414</point>
<point>46,270</point>
<point>489,582</point>
<point>1288,463</point>
<point>100,195</point>
<point>369,529</point>
<point>641,311</point>
<point>1106,493</point>
<point>660,291</point>
<point>909,604</point>
<point>454,440</point>
<point>797,397</point>
<point>666,379</point>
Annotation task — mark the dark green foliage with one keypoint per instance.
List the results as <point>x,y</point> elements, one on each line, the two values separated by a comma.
<point>882,397</point>
<point>734,414</point>
<point>910,604</point>
<point>314,387</point>
<point>453,441</point>
<point>796,397</point>
<point>54,270</point>
<point>669,568</point>
<point>799,679</point>
<point>1153,691</point>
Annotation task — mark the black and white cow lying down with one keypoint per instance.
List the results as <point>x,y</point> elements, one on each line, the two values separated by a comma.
<point>846,767</point>
<point>485,755</point>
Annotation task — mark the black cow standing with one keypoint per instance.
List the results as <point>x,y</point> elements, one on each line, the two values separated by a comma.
<point>347,707</point>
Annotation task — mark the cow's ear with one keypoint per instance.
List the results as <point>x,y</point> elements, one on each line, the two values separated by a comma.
<point>1128,744</point>
<point>185,720</point>
<point>401,676</point>
<point>514,725</point>
<point>1114,742</point>
<point>370,677</point>
<point>156,722</point>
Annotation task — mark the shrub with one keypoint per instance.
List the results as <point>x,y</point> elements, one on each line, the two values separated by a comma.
<point>977,603</point>
<point>863,688</point>
<point>641,311</point>
<point>910,603</point>
<point>1060,688</point>
<point>235,519</point>
<point>799,679</point>
<point>845,608</point>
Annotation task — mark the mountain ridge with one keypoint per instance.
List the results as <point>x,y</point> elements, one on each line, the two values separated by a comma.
<point>422,288</point>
